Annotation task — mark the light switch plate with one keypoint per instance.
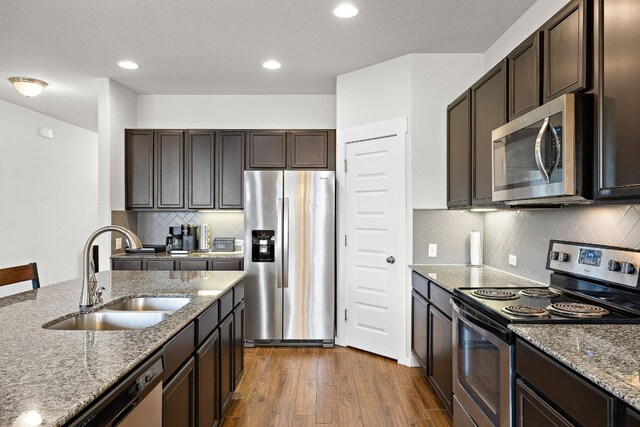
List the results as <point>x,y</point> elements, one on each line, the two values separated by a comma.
<point>433,250</point>
<point>118,243</point>
<point>513,260</point>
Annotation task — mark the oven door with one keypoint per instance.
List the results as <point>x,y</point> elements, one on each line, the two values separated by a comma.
<point>482,368</point>
<point>534,156</point>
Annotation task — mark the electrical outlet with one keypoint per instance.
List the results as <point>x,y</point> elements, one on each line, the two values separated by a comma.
<point>118,243</point>
<point>513,260</point>
<point>433,250</point>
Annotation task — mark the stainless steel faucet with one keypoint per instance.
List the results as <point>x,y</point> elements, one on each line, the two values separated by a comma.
<point>90,288</point>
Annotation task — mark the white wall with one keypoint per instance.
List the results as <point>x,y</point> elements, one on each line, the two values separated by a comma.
<point>237,111</point>
<point>48,193</point>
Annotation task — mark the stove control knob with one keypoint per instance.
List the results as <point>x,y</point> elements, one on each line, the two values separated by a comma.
<point>613,265</point>
<point>562,257</point>
<point>553,256</point>
<point>628,268</point>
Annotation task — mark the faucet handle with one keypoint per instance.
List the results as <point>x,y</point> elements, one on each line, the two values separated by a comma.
<point>97,297</point>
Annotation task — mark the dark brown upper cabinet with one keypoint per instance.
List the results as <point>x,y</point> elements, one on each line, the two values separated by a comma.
<point>267,149</point>
<point>200,169</point>
<point>524,77</point>
<point>458,151</point>
<point>565,51</point>
<point>139,177</point>
<point>618,36</point>
<point>169,149</point>
<point>488,112</point>
<point>230,169</point>
<point>295,149</point>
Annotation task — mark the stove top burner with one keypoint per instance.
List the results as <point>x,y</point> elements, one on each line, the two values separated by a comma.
<point>525,311</point>
<point>577,309</point>
<point>494,294</point>
<point>539,293</point>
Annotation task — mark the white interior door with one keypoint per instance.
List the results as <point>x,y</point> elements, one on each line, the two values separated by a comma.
<point>375,168</point>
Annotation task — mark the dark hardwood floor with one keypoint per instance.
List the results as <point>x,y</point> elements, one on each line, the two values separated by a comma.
<point>337,387</point>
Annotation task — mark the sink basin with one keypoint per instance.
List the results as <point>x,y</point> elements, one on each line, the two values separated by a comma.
<point>109,321</point>
<point>166,304</point>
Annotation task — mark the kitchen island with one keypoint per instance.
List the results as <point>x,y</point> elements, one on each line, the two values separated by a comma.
<point>52,375</point>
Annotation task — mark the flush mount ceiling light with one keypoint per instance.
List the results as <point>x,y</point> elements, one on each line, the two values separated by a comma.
<point>345,10</point>
<point>27,86</point>
<point>272,65</point>
<point>129,65</point>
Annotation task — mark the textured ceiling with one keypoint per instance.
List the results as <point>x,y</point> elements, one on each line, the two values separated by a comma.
<point>218,46</point>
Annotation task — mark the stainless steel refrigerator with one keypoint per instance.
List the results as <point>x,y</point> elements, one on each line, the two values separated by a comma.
<point>289,219</point>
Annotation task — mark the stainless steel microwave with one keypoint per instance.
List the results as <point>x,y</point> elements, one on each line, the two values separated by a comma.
<point>543,157</point>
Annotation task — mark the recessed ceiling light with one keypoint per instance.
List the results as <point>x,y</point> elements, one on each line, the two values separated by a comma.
<point>345,10</point>
<point>271,65</point>
<point>128,65</point>
<point>27,86</point>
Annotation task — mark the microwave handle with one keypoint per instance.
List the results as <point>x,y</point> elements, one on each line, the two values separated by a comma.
<point>538,151</point>
<point>558,146</point>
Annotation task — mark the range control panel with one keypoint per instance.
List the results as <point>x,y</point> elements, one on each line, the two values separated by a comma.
<point>607,263</point>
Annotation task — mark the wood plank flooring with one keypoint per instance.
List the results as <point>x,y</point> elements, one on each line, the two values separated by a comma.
<point>331,387</point>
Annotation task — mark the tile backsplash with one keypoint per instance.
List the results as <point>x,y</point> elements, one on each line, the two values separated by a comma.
<point>523,233</point>
<point>153,227</point>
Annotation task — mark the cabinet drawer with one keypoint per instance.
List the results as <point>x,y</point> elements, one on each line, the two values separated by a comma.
<point>238,293</point>
<point>194,265</point>
<point>575,396</point>
<point>160,265</point>
<point>226,304</point>
<point>179,349</point>
<point>440,298</point>
<point>121,264</point>
<point>420,285</point>
<point>207,322</point>
<point>232,265</point>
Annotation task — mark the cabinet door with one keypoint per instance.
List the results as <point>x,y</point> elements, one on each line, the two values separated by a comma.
<point>126,264</point>
<point>227,378</point>
<point>200,169</point>
<point>238,343</point>
<point>419,332</point>
<point>619,100</point>
<point>194,265</point>
<point>230,169</point>
<point>138,164</point>
<point>565,51</point>
<point>308,149</point>
<point>488,112</point>
<point>179,398</point>
<point>632,418</point>
<point>524,77</point>
<point>532,411</point>
<point>440,369</point>
<point>230,265</point>
<point>160,265</point>
<point>169,148</point>
<point>459,151</point>
<point>207,362</point>
<point>267,150</point>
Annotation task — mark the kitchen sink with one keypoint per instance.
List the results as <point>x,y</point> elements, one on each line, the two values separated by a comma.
<point>110,321</point>
<point>165,304</point>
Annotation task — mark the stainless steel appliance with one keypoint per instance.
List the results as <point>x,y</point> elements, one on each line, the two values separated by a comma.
<point>204,238</point>
<point>289,219</point>
<point>589,284</point>
<point>545,155</point>
<point>174,239</point>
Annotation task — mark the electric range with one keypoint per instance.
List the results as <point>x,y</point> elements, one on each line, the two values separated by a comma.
<point>588,284</point>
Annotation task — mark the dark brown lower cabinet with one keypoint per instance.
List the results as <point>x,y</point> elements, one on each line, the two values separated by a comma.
<point>160,265</point>
<point>177,264</point>
<point>238,342</point>
<point>227,377</point>
<point>126,264</point>
<point>207,362</point>
<point>419,322</point>
<point>532,411</point>
<point>440,372</point>
<point>194,265</point>
<point>179,398</point>
<point>231,265</point>
<point>631,418</point>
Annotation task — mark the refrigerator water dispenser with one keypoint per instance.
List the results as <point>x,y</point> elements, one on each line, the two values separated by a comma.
<point>263,245</point>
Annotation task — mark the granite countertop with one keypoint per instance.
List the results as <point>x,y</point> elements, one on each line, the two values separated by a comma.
<point>54,374</point>
<point>608,355</point>
<point>165,255</point>
<point>451,277</point>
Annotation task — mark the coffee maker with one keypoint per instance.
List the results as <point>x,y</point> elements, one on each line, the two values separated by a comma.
<point>174,239</point>
<point>189,239</point>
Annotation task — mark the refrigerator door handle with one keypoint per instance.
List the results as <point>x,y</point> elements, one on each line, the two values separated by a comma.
<point>285,245</point>
<point>278,247</point>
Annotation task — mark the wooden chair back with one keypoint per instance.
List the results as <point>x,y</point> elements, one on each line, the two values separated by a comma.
<point>20,273</point>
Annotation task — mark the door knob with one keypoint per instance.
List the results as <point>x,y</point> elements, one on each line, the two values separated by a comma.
<point>391,259</point>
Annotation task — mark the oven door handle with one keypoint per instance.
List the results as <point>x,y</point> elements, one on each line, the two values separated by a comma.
<point>474,320</point>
